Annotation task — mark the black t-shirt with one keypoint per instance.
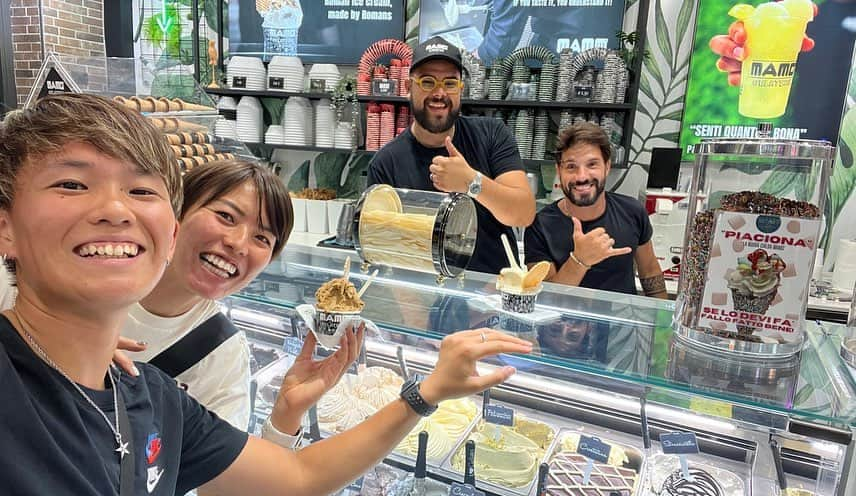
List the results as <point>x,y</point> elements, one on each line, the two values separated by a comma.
<point>551,238</point>
<point>54,442</point>
<point>488,147</point>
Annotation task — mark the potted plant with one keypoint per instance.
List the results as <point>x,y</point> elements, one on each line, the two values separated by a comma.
<point>344,99</point>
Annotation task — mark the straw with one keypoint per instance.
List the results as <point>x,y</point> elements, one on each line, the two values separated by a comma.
<point>346,273</point>
<point>508,252</point>
<point>366,285</point>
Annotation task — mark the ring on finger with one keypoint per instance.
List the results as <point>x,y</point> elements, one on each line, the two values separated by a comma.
<point>484,337</point>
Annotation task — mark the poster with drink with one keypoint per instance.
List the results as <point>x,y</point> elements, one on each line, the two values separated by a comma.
<point>757,277</point>
<point>784,62</point>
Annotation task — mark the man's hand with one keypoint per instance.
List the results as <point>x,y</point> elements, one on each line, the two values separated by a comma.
<point>307,380</point>
<point>451,174</point>
<point>455,374</point>
<point>594,246</point>
<point>731,50</point>
<point>122,360</point>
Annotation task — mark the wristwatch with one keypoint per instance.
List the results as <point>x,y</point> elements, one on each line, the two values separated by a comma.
<point>410,394</point>
<point>274,435</point>
<point>475,187</point>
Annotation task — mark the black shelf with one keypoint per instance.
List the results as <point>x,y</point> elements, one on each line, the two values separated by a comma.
<point>266,149</point>
<point>604,107</point>
<point>265,93</point>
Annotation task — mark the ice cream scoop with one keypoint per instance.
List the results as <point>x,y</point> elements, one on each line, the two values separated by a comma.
<point>338,295</point>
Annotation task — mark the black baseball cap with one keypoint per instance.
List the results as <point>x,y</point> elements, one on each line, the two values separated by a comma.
<point>436,48</point>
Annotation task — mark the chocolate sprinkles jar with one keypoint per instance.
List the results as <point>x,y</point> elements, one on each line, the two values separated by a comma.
<point>753,226</point>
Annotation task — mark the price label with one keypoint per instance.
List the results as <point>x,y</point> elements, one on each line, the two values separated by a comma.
<point>458,489</point>
<point>239,82</point>
<point>276,83</point>
<point>384,87</point>
<point>582,91</point>
<point>317,85</point>
<point>293,346</point>
<point>594,449</point>
<point>498,414</point>
<point>679,443</point>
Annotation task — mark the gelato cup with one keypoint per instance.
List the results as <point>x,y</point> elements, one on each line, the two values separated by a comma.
<point>330,326</point>
<point>519,302</point>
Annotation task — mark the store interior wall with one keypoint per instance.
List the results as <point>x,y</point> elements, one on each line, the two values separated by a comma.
<point>670,30</point>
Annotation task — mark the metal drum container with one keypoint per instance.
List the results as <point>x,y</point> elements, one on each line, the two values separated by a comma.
<point>424,231</point>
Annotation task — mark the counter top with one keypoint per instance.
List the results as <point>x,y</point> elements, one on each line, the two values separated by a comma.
<point>819,308</point>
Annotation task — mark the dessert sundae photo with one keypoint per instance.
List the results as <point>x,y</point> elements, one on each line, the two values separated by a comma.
<point>755,283</point>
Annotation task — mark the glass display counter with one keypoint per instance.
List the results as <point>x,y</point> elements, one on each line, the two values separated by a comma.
<point>603,364</point>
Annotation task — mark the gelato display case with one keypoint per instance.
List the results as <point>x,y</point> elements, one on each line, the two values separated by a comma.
<point>604,366</point>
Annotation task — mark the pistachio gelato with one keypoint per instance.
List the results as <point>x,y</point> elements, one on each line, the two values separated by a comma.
<point>507,456</point>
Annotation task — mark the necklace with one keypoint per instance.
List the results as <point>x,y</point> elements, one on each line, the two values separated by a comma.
<point>122,448</point>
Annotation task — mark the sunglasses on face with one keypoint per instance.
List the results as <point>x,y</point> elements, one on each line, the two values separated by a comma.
<point>430,83</point>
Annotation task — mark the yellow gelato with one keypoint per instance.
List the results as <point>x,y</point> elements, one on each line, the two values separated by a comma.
<point>510,458</point>
<point>444,428</point>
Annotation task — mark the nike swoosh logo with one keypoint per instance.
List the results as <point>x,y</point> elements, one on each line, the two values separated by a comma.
<point>154,476</point>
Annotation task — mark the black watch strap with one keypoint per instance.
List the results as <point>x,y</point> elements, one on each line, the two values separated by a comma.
<point>410,394</point>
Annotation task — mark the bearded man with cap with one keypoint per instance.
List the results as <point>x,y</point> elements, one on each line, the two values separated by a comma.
<point>444,151</point>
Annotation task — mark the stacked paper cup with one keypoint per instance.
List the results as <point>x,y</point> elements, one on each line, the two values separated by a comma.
<point>387,123</point>
<point>344,135</point>
<point>324,123</point>
<point>373,128</point>
<point>285,74</point>
<point>246,73</point>
<point>249,122</point>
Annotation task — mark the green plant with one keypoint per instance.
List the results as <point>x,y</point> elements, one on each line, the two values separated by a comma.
<point>168,39</point>
<point>345,95</point>
<point>629,49</point>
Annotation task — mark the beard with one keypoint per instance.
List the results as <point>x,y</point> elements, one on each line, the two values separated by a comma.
<point>433,125</point>
<point>583,201</point>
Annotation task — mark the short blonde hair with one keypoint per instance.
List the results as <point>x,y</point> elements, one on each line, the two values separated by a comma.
<point>58,120</point>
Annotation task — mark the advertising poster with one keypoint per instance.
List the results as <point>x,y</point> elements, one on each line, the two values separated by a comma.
<point>325,31</point>
<point>759,268</point>
<point>782,62</point>
<point>495,28</point>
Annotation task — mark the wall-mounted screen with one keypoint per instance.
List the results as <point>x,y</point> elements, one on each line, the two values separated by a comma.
<point>326,31</point>
<point>495,28</point>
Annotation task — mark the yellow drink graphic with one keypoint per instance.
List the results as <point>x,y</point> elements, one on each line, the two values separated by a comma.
<point>774,35</point>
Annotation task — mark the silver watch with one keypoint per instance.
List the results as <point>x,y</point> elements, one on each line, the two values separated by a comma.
<point>475,187</point>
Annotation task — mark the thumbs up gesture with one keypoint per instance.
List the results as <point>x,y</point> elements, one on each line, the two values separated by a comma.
<point>594,246</point>
<point>452,173</point>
